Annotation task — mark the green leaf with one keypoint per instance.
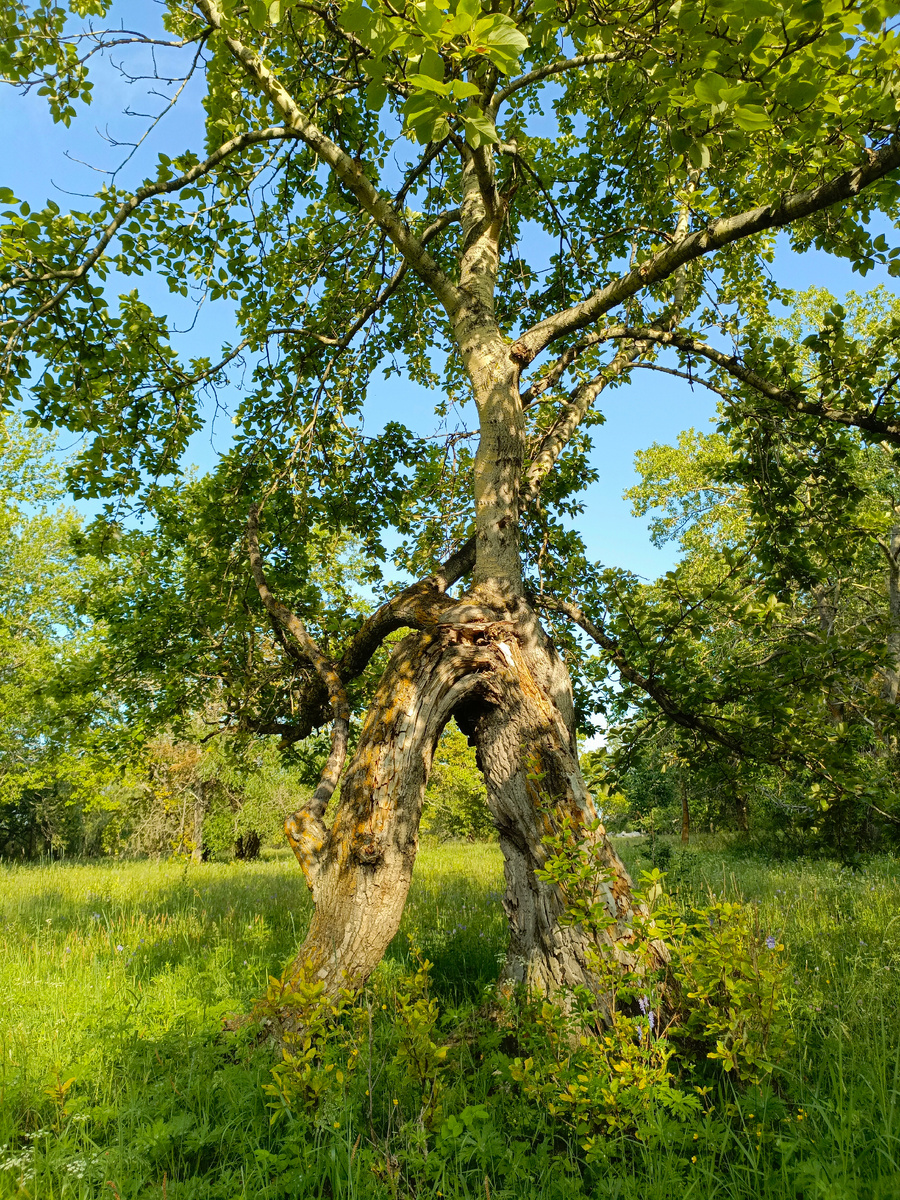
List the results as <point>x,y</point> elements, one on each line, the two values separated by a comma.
<point>356,18</point>
<point>752,118</point>
<point>699,155</point>
<point>462,88</point>
<point>431,64</point>
<point>429,16</point>
<point>708,88</point>
<point>797,92</point>
<point>424,114</point>
<point>467,12</point>
<point>376,95</point>
<point>427,84</point>
<point>257,13</point>
<point>500,39</point>
<point>480,129</point>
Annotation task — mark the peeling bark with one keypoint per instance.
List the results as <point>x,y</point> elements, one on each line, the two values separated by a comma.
<point>530,733</point>
<point>359,870</point>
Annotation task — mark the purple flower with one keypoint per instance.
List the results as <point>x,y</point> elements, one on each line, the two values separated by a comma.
<point>770,942</point>
<point>644,1004</point>
<point>120,948</point>
<point>652,1021</point>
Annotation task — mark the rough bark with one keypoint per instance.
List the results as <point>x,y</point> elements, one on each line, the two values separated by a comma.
<point>527,751</point>
<point>486,661</point>
<point>360,869</point>
<point>509,691</point>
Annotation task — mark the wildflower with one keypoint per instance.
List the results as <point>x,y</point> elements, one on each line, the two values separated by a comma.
<point>770,942</point>
<point>644,1004</point>
<point>120,948</point>
<point>652,1021</point>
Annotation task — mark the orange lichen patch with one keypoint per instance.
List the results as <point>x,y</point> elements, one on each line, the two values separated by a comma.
<point>306,838</point>
<point>391,702</point>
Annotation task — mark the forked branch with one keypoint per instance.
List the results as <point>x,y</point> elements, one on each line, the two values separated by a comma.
<point>784,211</point>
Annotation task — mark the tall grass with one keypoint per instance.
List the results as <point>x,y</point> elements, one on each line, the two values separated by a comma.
<point>116,1078</point>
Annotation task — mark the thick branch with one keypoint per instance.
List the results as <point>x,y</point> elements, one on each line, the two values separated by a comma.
<point>570,416</point>
<point>791,398</point>
<point>324,668</point>
<point>719,233</point>
<point>347,169</point>
<point>419,606</point>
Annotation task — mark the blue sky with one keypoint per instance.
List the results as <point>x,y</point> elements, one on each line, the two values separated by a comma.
<point>41,159</point>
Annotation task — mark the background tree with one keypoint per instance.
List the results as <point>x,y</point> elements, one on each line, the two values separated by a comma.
<point>456,799</point>
<point>210,797</point>
<point>779,622</point>
<point>516,205</point>
<point>56,758</point>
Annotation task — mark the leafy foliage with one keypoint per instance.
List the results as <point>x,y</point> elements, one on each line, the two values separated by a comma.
<point>58,747</point>
<point>456,797</point>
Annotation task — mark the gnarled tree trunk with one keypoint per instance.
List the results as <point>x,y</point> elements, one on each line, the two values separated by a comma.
<point>510,693</point>
<point>485,660</point>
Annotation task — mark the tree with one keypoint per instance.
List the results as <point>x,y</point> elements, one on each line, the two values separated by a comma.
<point>455,799</point>
<point>781,613</point>
<point>208,795</point>
<point>519,205</point>
<point>53,758</point>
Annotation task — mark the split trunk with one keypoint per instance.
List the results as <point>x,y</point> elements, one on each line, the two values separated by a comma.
<point>510,693</point>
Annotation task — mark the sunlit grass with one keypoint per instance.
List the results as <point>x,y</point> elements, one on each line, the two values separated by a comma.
<point>118,976</point>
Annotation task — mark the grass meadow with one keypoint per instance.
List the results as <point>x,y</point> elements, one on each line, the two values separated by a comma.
<point>118,1080</point>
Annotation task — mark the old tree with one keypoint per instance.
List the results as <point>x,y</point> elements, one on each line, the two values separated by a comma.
<point>516,204</point>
